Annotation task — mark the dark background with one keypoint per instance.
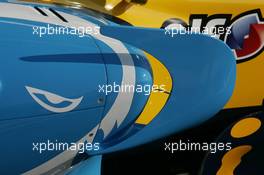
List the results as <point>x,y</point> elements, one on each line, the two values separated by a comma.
<point>153,159</point>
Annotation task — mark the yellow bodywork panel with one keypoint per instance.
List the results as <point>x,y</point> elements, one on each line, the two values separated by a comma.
<point>245,127</point>
<point>249,89</point>
<point>232,159</point>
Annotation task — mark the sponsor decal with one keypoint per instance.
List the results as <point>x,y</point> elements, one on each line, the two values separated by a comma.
<point>243,33</point>
<point>247,35</point>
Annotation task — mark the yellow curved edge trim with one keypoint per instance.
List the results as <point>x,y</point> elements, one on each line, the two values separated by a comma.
<point>161,75</point>
<point>157,100</point>
<point>245,127</point>
<point>232,159</point>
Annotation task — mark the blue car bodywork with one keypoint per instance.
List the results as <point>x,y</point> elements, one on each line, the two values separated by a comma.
<point>50,86</point>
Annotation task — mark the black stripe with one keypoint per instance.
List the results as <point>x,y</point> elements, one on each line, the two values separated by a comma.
<point>58,15</point>
<point>40,11</point>
<point>166,92</point>
<point>160,90</point>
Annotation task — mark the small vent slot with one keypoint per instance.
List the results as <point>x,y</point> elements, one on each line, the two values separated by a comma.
<point>40,11</point>
<point>58,15</point>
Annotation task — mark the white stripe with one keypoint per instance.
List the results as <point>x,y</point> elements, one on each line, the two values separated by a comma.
<point>121,107</point>
<point>17,23</point>
<point>62,157</point>
<point>122,104</point>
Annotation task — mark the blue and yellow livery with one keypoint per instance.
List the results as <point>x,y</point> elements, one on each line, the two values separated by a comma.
<point>55,86</point>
